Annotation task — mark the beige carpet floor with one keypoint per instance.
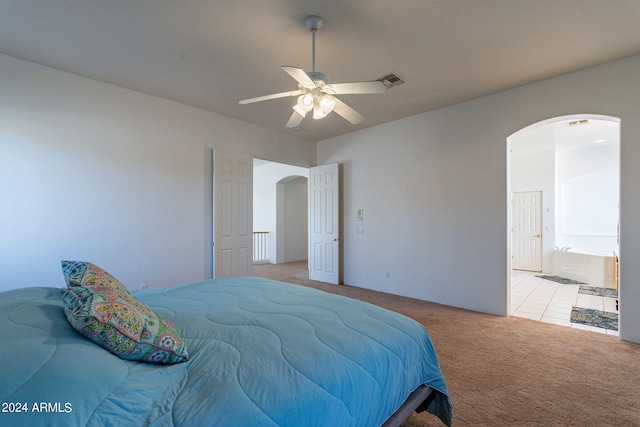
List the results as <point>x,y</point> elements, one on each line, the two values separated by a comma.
<point>510,371</point>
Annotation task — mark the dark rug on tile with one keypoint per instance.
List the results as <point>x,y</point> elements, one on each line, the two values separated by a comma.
<point>562,280</point>
<point>599,291</point>
<point>597,318</point>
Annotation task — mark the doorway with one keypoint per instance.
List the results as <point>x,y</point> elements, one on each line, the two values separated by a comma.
<point>292,228</point>
<point>573,162</point>
<point>280,210</point>
<point>527,232</point>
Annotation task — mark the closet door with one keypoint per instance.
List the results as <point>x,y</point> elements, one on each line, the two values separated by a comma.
<point>527,233</point>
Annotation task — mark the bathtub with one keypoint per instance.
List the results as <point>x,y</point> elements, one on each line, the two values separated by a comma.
<point>593,268</point>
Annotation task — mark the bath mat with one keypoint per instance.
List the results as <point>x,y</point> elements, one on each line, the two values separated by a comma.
<point>597,318</point>
<point>561,280</point>
<point>597,290</point>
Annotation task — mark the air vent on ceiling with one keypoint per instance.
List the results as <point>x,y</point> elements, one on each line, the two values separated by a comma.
<point>578,122</point>
<point>391,80</point>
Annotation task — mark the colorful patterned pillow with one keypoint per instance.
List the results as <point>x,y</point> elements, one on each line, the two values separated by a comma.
<point>81,273</point>
<point>123,325</point>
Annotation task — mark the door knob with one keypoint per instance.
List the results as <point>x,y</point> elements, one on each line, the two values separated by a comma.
<point>538,235</point>
<point>335,239</point>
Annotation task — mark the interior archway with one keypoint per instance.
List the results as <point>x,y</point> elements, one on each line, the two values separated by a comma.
<point>553,149</point>
<point>271,180</point>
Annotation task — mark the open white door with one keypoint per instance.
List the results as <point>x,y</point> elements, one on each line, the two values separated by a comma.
<point>527,234</point>
<point>233,180</point>
<point>324,224</point>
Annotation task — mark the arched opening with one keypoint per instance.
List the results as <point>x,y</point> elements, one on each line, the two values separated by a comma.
<point>279,212</point>
<point>564,191</point>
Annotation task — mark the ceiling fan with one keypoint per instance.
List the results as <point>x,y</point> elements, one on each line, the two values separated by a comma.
<point>315,92</point>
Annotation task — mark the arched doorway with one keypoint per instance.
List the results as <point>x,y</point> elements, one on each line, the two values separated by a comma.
<point>279,210</point>
<point>567,170</point>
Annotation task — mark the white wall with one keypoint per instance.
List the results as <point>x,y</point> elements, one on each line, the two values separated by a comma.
<point>270,205</point>
<point>91,171</point>
<point>434,189</point>
<point>296,214</point>
<point>588,186</point>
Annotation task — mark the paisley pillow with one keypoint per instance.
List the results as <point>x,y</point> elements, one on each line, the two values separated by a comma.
<point>123,325</point>
<point>81,273</point>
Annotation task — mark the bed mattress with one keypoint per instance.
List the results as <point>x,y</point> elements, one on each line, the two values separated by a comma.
<point>262,353</point>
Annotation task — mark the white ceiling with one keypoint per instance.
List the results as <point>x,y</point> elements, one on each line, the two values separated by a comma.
<point>211,54</point>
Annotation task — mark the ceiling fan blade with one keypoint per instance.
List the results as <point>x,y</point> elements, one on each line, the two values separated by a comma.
<point>347,112</point>
<point>357,88</point>
<point>272,96</point>
<point>299,75</point>
<point>294,120</point>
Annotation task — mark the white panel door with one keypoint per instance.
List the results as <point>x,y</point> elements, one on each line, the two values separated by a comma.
<point>527,234</point>
<point>233,180</point>
<point>324,224</point>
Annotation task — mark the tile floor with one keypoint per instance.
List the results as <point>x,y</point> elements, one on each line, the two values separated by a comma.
<point>547,301</point>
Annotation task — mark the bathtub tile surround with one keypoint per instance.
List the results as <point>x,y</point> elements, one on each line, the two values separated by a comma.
<point>551,302</point>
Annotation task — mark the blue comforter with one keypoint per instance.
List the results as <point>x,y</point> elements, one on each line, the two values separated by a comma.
<point>262,353</point>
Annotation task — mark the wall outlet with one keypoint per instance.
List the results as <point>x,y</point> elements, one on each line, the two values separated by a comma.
<point>144,286</point>
<point>388,274</point>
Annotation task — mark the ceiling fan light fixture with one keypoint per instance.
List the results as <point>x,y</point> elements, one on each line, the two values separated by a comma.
<point>305,102</point>
<point>323,105</point>
<point>327,103</point>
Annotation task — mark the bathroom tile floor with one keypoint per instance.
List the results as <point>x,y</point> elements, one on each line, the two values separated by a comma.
<point>547,301</point>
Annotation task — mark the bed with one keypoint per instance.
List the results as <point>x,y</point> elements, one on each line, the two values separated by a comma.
<point>261,353</point>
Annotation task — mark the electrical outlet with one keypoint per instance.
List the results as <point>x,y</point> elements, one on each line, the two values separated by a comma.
<point>144,286</point>
<point>388,275</point>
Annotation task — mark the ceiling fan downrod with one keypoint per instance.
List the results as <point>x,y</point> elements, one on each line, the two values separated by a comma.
<point>313,24</point>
